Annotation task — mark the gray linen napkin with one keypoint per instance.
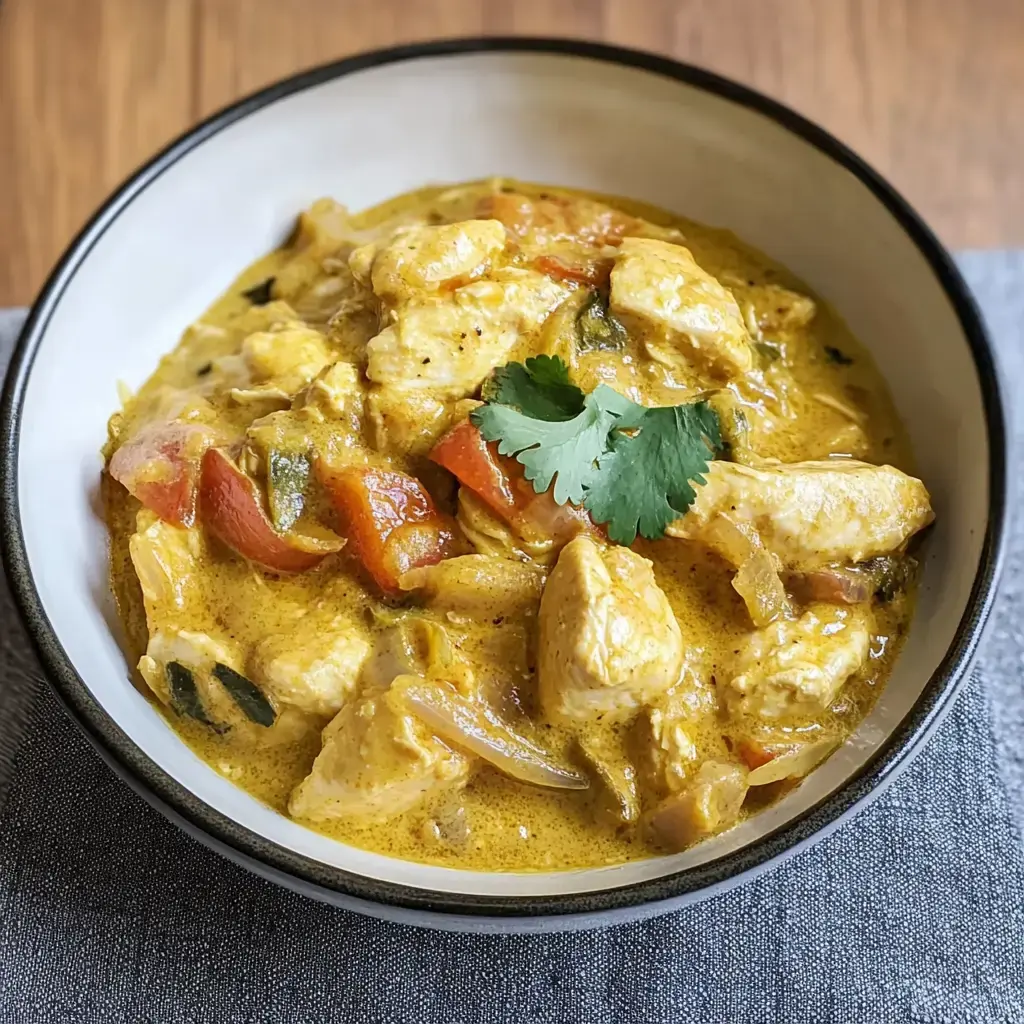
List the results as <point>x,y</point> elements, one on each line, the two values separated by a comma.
<point>914,912</point>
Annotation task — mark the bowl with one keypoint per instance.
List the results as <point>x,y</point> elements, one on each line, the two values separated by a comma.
<point>570,113</point>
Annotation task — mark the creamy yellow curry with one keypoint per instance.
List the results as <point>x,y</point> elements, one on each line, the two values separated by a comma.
<point>513,528</point>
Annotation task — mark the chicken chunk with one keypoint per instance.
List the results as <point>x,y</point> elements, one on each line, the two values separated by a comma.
<point>810,514</point>
<point>314,666</point>
<point>669,732</point>
<point>422,258</point>
<point>798,667</point>
<point>779,309</point>
<point>378,760</point>
<point>287,358</point>
<point>166,559</point>
<point>480,585</point>
<point>709,804</point>
<point>688,317</point>
<point>197,676</point>
<point>452,341</point>
<point>608,640</point>
<point>410,421</point>
<point>336,392</point>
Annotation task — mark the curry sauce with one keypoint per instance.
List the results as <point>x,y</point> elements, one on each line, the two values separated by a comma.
<point>259,582</point>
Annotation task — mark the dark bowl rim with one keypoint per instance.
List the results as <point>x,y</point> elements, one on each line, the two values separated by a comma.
<point>179,804</point>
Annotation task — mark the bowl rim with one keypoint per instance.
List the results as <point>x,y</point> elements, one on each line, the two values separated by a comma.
<point>222,833</point>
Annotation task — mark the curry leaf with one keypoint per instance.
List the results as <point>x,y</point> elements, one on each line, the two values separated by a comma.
<point>246,695</point>
<point>287,479</point>
<point>260,294</point>
<point>185,697</point>
<point>599,329</point>
<point>837,356</point>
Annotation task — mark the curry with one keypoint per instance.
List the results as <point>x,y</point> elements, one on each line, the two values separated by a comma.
<point>513,528</point>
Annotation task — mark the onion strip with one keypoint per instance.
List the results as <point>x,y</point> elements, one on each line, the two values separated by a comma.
<point>476,728</point>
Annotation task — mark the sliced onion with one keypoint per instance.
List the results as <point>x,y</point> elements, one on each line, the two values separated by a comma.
<point>834,585</point>
<point>792,764</point>
<point>474,727</point>
<point>757,578</point>
<point>618,776</point>
<point>757,582</point>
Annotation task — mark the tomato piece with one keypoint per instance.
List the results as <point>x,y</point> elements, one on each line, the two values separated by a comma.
<point>500,482</point>
<point>595,272</point>
<point>754,754</point>
<point>389,519</point>
<point>160,467</point>
<point>230,508</point>
<point>477,465</point>
<point>554,217</point>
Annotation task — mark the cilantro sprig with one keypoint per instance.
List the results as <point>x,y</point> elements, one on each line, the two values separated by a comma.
<point>633,468</point>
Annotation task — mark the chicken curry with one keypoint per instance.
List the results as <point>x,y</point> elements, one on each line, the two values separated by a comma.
<point>513,528</point>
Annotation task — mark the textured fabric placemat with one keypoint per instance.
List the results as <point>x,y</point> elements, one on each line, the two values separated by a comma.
<point>914,912</point>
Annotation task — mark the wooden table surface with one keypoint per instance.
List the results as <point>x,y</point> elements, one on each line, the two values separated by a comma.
<point>929,91</point>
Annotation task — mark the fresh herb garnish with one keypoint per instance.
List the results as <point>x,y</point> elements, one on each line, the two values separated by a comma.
<point>646,481</point>
<point>287,479</point>
<point>259,294</point>
<point>246,695</point>
<point>768,351</point>
<point>598,329</point>
<point>541,389</point>
<point>185,697</point>
<point>631,467</point>
<point>837,356</point>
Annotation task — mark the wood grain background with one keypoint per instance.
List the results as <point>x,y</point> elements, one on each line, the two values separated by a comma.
<point>930,91</point>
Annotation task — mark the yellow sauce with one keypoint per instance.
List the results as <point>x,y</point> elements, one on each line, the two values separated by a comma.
<point>510,826</point>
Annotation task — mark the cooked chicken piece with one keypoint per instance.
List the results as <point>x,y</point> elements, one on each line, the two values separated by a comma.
<point>422,258</point>
<point>812,513</point>
<point>799,666</point>
<point>608,641</point>
<point>378,760</point>
<point>688,317</point>
<point>668,732</point>
<point>197,676</point>
<point>314,666</point>
<point>410,421</point>
<point>480,585</point>
<point>197,652</point>
<point>336,392</point>
<point>165,559</point>
<point>469,722</point>
<point>710,803</point>
<point>271,316</point>
<point>449,339</point>
<point>453,341</point>
<point>777,308</point>
<point>289,357</point>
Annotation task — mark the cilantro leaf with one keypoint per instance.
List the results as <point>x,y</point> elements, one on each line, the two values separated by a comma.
<point>564,451</point>
<point>645,480</point>
<point>540,389</point>
<point>632,467</point>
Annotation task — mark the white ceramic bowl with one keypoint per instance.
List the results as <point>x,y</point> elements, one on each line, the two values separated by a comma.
<point>174,236</point>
